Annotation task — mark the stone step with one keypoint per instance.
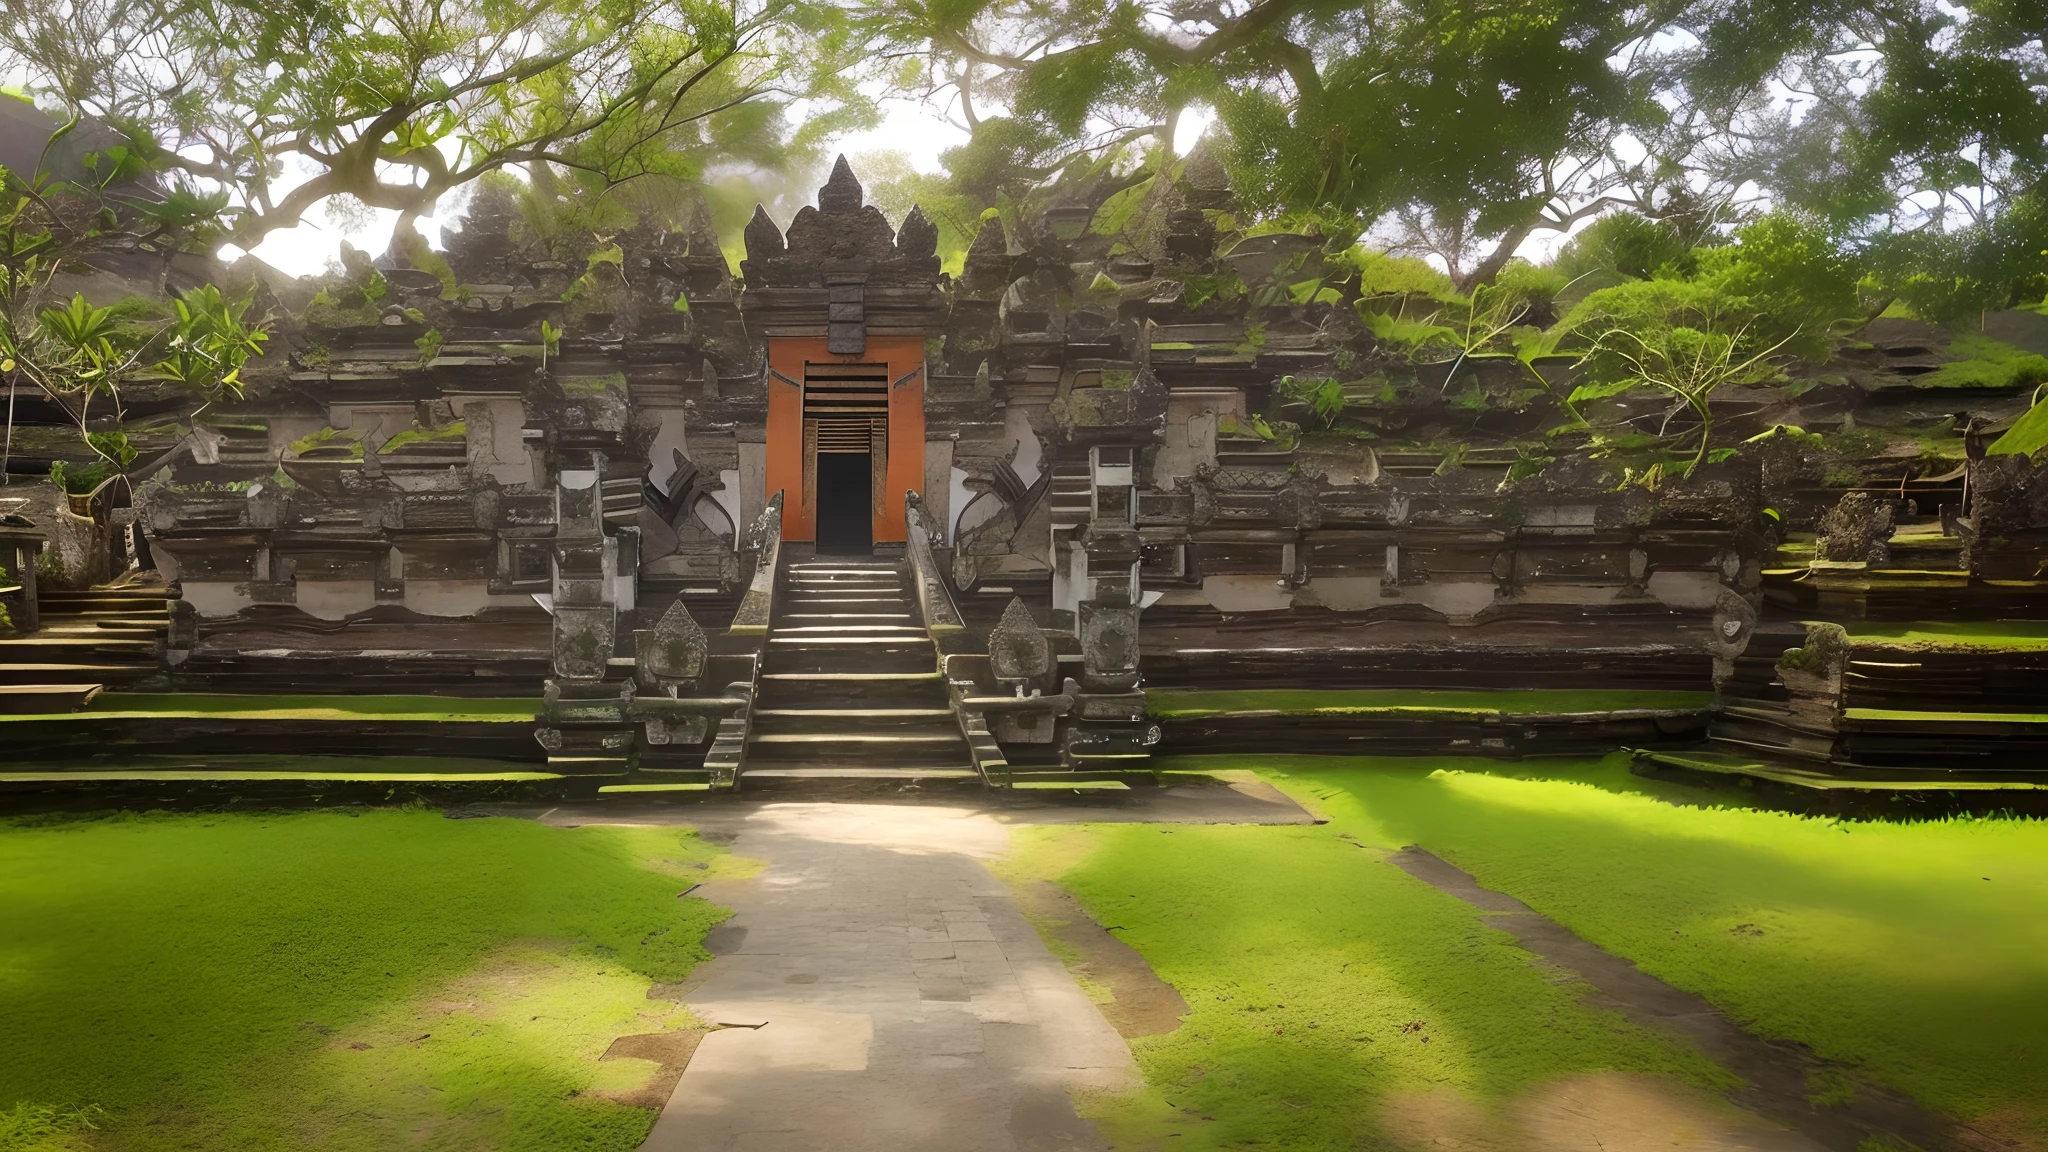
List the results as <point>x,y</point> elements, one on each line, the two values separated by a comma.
<point>111,595</point>
<point>47,673</point>
<point>143,624</point>
<point>907,689</point>
<point>797,772</point>
<point>898,640</point>
<point>903,630</point>
<point>42,643</point>
<point>136,611</point>
<point>839,751</point>
<point>829,739</point>
<point>858,677</point>
<point>908,722</point>
<point>852,713</point>
<point>846,601</point>
<point>850,658</point>
<point>37,699</point>
<point>847,617</point>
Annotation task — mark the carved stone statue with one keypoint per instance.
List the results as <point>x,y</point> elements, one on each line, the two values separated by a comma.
<point>672,653</point>
<point>1018,652</point>
<point>1857,530</point>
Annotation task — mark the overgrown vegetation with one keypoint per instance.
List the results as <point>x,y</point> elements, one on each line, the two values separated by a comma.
<point>338,980</point>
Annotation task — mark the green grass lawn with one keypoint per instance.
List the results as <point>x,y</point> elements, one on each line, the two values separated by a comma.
<point>336,980</point>
<point>2011,635</point>
<point>1191,703</point>
<point>1916,954</point>
<point>1325,986</point>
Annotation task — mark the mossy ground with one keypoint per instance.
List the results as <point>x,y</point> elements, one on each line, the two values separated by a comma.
<point>2011,635</point>
<point>336,980</point>
<point>1916,955</point>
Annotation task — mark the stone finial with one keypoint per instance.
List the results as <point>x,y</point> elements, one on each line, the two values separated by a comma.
<point>842,191</point>
<point>1858,530</point>
<point>990,240</point>
<point>987,268</point>
<point>762,237</point>
<point>1018,652</point>
<point>701,235</point>
<point>918,237</point>
<point>1149,395</point>
<point>675,649</point>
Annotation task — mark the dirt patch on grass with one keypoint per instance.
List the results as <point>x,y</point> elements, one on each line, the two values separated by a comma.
<point>671,1050</point>
<point>1133,998</point>
<point>1610,1111</point>
<point>2018,1128</point>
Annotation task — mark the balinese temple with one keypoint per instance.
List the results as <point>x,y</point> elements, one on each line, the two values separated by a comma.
<point>848,514</point>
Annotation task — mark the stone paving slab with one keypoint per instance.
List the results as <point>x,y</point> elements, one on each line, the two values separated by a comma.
<point>903,1002</point>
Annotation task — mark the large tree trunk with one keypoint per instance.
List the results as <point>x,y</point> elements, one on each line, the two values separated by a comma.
<point>1485,271</point>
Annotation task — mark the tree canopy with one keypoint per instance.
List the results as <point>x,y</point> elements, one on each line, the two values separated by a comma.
<point>394,103</point>
<point>1913,133</point>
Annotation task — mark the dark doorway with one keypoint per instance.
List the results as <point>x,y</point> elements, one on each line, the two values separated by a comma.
<point>846,521</point>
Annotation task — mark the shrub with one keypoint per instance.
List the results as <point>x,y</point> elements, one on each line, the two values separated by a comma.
<point>1792,278</point>
<point>1624,242</point>
<point>1382,275</point>
<point>1539,284</point>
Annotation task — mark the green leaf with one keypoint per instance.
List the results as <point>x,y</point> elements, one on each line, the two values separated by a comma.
<point>2027,436</point>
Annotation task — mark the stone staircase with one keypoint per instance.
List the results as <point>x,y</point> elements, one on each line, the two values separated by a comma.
<point>1071,496</point>
<point>850,687</point>
<point>88,640</point>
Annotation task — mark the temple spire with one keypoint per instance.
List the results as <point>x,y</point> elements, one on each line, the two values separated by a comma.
<point>842,191</point>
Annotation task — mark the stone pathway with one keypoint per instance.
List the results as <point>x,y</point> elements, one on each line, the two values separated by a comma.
<point>880,990</point>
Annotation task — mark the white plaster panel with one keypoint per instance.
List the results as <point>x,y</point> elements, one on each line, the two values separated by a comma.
<point>958,495</point>
<point>1341,593</point>
<point>668,439</point>
<point>1683,589</point>
<point>335,599</point>
<point>753,483</point>
<point>1246,593</point>
<point>937,491</point>
<point>214,599</point>
<point>1459,600</point>
<point>728,500</point>
<point>453,597</point>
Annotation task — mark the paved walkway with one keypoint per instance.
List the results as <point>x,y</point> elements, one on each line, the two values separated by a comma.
<point>882,992</point>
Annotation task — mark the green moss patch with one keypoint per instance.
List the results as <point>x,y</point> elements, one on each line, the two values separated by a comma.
<point>1186,704</point>
<point>366,980</point>
<point>417,435</point>
<point>1986,363</point>
<point>2012,635</point>
<point>1916,716</point>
